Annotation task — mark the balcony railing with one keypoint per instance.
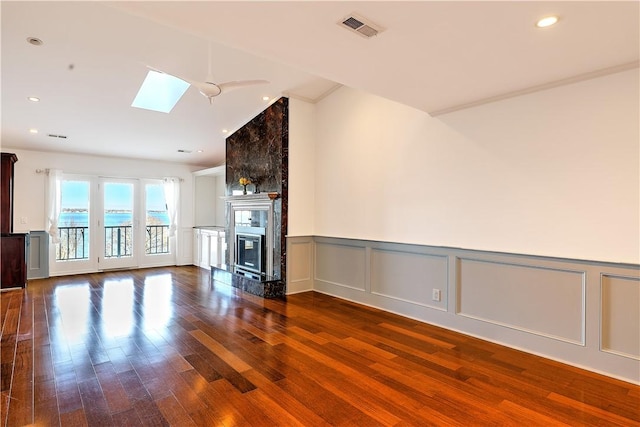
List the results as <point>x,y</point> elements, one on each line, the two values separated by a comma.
<point>157,239</point>
<point>118,241</point>
<point>74,243</point>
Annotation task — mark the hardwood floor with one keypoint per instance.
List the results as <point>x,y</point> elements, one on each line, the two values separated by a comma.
<point>161,347</point>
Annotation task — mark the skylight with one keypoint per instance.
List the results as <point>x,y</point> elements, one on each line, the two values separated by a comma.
<point>159,92</point>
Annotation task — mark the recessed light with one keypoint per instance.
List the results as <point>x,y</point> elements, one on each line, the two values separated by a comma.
<point>200,151</point>
<point>265,98</point>
<point>547,21</point>
<point>224,131</point>
<point>33,130</point>
<point>34,41</point>
<point>33,99</point>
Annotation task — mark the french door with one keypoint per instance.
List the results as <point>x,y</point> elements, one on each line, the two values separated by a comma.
<point>118,223</point>
<point>75,249</point>
<point>111,223</point>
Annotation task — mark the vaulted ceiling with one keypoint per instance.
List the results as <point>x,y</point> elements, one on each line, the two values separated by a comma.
<point>433,56</point>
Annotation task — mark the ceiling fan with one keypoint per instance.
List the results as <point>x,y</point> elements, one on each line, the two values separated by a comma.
<point>209,89</point>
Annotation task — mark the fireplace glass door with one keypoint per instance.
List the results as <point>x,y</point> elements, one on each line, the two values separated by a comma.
<point>249,252</point>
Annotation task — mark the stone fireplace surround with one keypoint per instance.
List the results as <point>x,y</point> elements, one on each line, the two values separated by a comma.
<point>259,150</point>
<point>266,285</point>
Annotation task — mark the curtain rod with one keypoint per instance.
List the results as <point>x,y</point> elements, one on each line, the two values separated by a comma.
<point>46,172</point>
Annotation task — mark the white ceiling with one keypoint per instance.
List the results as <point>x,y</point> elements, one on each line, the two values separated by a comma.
<point>434,56</point>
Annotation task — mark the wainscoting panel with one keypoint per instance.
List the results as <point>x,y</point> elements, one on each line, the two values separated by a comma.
<point>544,301</point>
<point>185,246</point>
<point>620,323</point>
<point>299,264</point>
<point>409,277</point>
<point>584,313</point>
<point>341,265</point>
<point>38,255</point>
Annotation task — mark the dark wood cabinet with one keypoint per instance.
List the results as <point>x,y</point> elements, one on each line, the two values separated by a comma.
<point>13,247</point>
<point>6,192</point>
<point>13,269</point>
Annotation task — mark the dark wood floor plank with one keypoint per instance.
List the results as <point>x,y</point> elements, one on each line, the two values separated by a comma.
<point>95,406</point>
<point>210,356</point>
<point>8,344</point>
<point>4,407</point>
<point>295,408</point>
<point>68,394</point>
<point>254,416</point>
<point>73,419</point>
<point>215,407</point>
<point>324,403</point>
<point>126,418</point>
<point>114,392</point>
<point>22,397</point>
<point>186,393</point>
<point>203,368</point>
<point>173,412</point>
<point>517,412</point>
<point>364,399</point>
<point>10,303</point>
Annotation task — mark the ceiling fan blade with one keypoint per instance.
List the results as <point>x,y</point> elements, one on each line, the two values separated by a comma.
<point>208,89</point>
<point>229,86</point>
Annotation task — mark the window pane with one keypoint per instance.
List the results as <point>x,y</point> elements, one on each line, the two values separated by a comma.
<point>118,219</point>
<point>157,220</point>
<point>73,223</point>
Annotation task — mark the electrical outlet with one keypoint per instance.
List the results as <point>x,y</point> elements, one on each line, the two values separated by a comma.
<point>23,220</point>
<point>435,295</point>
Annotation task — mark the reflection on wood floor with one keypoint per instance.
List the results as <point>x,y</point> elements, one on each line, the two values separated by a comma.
<point>161,347</point>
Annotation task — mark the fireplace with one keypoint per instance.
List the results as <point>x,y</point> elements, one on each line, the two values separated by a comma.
<point>253,256</point>
<point>250,252</point>
<point>251,231</point>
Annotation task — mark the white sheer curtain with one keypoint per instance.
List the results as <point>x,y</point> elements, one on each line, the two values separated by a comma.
<point>53,199</point>
<point>172,197</point>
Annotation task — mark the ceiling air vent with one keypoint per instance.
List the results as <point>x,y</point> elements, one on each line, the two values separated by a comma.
<point>51,135</point>
<point>361,26</point>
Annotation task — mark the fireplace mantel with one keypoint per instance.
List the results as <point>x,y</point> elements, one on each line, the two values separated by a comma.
<point>251,197</point>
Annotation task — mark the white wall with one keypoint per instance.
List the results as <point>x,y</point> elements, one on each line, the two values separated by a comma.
<point>29,191</point>
<point>552,173</point>
<point>209,190</point>
<point>206,202</point>
<point>301,168</point>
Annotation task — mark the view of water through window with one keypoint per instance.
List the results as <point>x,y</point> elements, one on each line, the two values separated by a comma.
<point>75,205</point>
<point>77,210</point>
